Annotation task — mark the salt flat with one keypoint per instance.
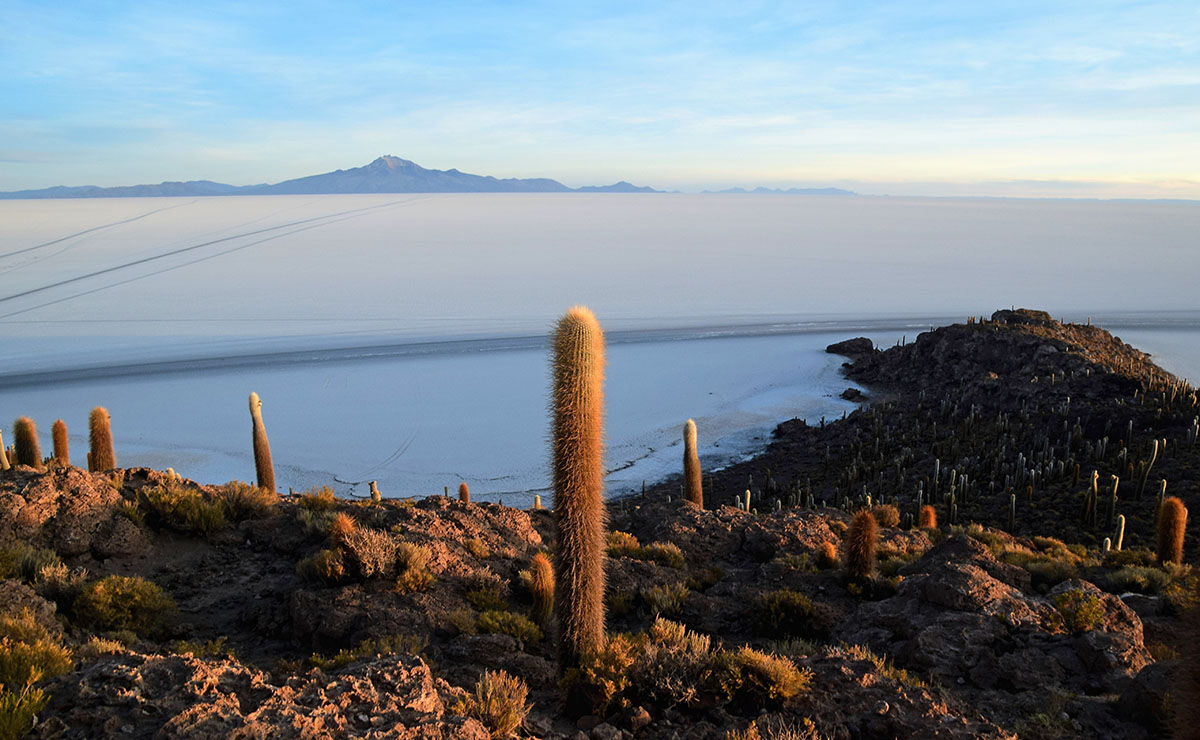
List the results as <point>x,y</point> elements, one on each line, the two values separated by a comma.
<point>718,305</point>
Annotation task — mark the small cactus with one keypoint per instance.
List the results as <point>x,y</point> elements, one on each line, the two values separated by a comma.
<point>4,464</point>
<point>693,485</point>
<point>28,451</point>
<point>1172,521</point>
<point>376,496</point>
<point>541,585</point>
<point>1120,538</point>
<point>62,445</point>
<point>264,469</point>
<point>578,445</point>
<point>464,493</point>
<point>860,546</point>
<point>928,518</point>
<point>100,437</point>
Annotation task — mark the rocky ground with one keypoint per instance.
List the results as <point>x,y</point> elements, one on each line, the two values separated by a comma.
<point>306,617</point>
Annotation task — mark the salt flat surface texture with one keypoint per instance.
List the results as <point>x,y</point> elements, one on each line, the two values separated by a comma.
<point>402,337</point>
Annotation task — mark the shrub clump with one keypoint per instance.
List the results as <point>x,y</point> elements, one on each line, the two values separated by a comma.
<point>498,702</point>
<point>413,564</point>
<point>327,566</point>
<point>1080,612</point>
<point>119,603</point>
<point>757,679</point>
<point>787,613</point>
<point>886,515</point>
<point>667,599</point>
<point>318,499</point>
<point>184,509</point>
<point>1142,579</point>
<point>623,544</point>
<point>243,501</point>
<point>370,648</point>
<point>517,626</point>
<point>373,553</point>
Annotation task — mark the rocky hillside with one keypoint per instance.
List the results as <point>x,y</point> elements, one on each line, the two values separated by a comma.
<point>154,607</point>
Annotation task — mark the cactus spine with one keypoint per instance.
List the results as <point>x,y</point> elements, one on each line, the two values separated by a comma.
<point>100,436</point>
<point>62,445</point>
<point>860,546</point>
<point>693,484</point>
<point>264,469</point>
<point>578,446</point>
<point>28,451</point>
<point>541,585</point>
<point>464,493</point>
<point>1172,521</point>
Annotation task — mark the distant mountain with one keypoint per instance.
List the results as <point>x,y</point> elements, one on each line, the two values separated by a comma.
<point>790,191</point>
<point>387,174</point>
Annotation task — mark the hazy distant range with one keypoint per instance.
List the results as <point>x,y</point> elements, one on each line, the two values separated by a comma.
<point>387,174</point>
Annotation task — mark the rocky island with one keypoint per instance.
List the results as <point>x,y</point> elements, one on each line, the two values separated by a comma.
<point>991,546</point>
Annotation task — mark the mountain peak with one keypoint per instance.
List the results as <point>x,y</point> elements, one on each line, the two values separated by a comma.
<point>389,162</point>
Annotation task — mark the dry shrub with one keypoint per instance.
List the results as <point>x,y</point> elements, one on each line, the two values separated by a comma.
<point>498,702</point>
<point>243,501</point>
<point>341,526</point>
<point>327,566</point>
<point>488,598</point>
<point>827,555</point>
<point>318,499</point>
<point>373,553</point>
<point>371,648</point>
<point>478,548</point>
<point>673,664</point>
<point>413,563</point>
<point>787,613</point>
<point>757,679</point>
<point>623,544</point>
<point>666,599</point>
<point>183,509</point>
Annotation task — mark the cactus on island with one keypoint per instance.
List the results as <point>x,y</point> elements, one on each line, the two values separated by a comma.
<point>27,450</point>
<point>1172,522</point>
<point>101,441</point>
<point>693,484</point>
<point>861,539</point>
<point>62,445</point>
<point>464,492</point>
<point>541,586</point>
<point>264,469</point>
<point>578,451</point>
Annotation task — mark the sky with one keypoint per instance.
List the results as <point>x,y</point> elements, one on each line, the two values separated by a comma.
<point>1075,99</point>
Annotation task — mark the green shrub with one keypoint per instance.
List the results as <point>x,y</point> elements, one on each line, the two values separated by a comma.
<point>318,499</point>
<point>244,501</point>
<point>758,679</point>
<point>667,599</point>
<point>787,613</point>
<point>623,544</point>
<point>498,702</point>
<point>490,598</point>
<point>21,560</point>
<point>1143,580</point>
<point>28,653</point>
<point>184,509</point>
<point>315,523</point>
<point>371,648</point>
<point>1080,612</point>
<point>518,626</point>
<point>61,584</point>
<point>129,603</point>
<point>18,709</point>
<point>327,566</point>
<point>215,648</point>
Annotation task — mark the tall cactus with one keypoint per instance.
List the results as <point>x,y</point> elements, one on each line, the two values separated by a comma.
<point>1172,521</point>
<point>578,447</point>
<point>693,484</point>
<point>861,540</point>
<point>4,464</point>
<point>27,451</point>
<point>62,445</point>
<point>100,436</point>
<point>264,469</point>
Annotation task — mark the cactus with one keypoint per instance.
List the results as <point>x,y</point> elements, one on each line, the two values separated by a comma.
<point>263,467</point>
<point>28,451</point>
<point>578,446</point>
<point>692,482</point>
<point>62,446</point>
<point>1172,521</point>
<point>376,496</point>
<point>928,518</point>
<point>4,464</point>
<point>464,493</point>
<point>1120,534</point>
<point>1145,470</point>
<point>860,546</point>
<point>541,586</point>
<point>1012,512</point>
<point>100,437</point>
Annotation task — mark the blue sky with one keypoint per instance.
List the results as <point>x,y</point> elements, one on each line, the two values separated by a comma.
<point>999,98</point>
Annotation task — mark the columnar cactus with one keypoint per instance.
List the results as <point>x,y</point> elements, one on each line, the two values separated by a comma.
<point>928,518</point>
<point>27,451</point>
<point>62,445</point>
<point>1172,521</point>
<point>464,493</point>
<point>264,469</point>
<point>860,545</point>
<point>4,464</point>
<point>541,586</point>
<point>693,484</point>
<point>578,447</point>
<point>100,437</point>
